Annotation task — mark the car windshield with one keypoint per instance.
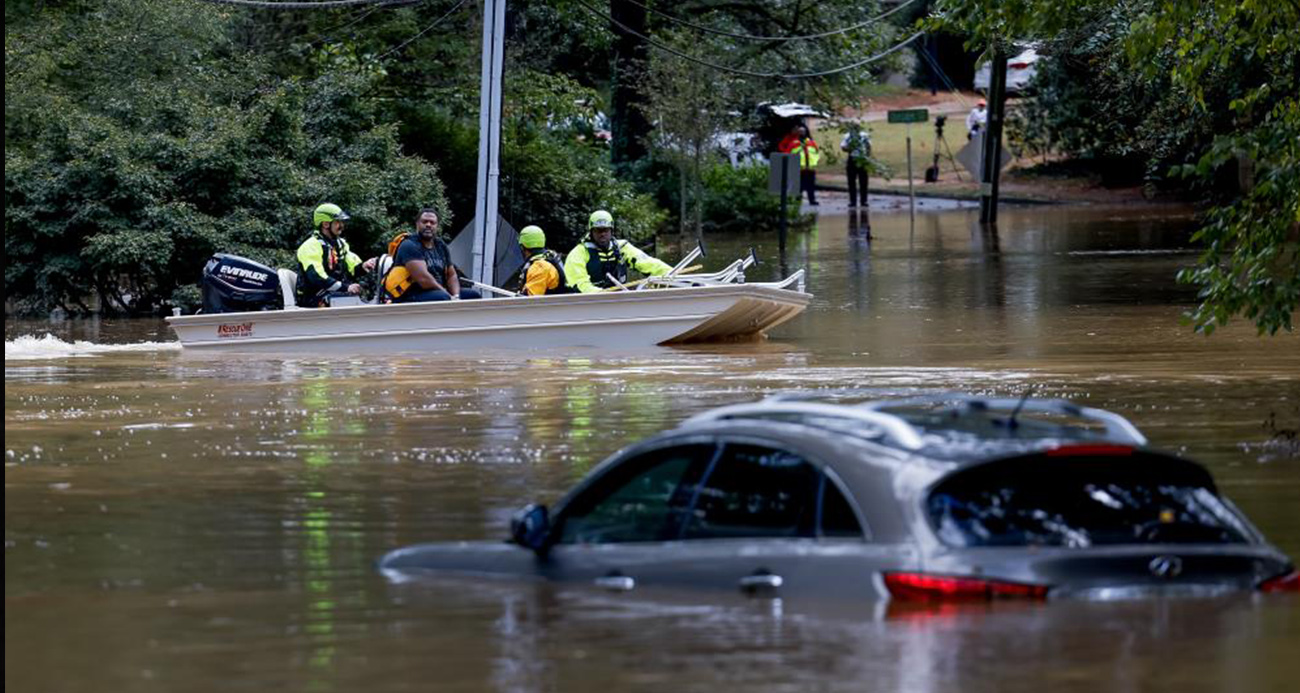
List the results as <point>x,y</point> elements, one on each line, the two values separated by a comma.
<point>1082,501</point>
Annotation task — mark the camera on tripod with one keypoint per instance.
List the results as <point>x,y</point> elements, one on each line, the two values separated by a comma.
<point>939,122</point>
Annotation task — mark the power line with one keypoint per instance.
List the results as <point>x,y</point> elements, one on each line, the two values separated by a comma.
<point>317,5</point>
<point>752,37</point>
<point>748,73</point>
<point>422,32</point>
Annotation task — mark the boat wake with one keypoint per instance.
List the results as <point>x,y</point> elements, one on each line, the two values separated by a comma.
<point>47,346</point>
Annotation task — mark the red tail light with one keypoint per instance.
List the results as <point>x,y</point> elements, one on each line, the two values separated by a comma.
<point>1017,66</point>
<point>1081,450</point>
<point>923,587</point>
<point>1282,583</point>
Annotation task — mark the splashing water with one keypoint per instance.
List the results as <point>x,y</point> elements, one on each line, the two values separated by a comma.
<point>47,346</point>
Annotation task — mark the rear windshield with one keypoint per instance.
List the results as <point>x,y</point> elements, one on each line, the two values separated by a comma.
<point>1081,501</point>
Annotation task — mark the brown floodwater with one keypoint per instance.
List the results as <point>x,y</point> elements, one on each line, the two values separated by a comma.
<point>175,523</point>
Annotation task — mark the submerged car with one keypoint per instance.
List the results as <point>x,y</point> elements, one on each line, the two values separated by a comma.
<point>929,499</point>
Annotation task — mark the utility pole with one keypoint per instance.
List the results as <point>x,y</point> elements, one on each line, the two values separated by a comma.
<point>991,170</point>
<point>486,201</point>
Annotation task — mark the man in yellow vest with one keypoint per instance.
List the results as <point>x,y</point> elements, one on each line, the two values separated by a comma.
<point>543,270</point>
<point>806,150</point>
<point>600,256</point>
<point>326,265</point>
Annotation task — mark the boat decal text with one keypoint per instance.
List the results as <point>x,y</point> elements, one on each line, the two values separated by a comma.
<point>241,329</point>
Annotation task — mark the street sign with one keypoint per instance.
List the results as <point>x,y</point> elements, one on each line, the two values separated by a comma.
<point>791,164</point>
<point>910,115</point>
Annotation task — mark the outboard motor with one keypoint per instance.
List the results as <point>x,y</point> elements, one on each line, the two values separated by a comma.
<point>232,284</point>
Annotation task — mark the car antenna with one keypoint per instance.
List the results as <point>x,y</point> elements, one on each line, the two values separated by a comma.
<point>1011,420</point>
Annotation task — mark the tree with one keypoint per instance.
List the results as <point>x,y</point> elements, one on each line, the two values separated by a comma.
<point>1234,64</point>
<point>139,143</point>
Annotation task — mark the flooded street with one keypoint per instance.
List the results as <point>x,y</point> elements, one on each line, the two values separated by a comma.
<point>180,523</point>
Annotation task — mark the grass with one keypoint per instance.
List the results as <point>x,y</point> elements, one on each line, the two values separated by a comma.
<point>889,145</point>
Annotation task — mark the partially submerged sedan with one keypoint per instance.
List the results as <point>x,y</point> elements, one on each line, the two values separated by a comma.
<point>932,499</point>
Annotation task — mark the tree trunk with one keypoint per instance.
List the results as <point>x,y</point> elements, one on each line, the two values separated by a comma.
<point>629,126</point>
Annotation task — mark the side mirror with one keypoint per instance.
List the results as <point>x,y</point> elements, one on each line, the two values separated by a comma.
<point>530,527</point>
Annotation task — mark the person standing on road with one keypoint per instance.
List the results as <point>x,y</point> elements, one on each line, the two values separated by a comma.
<point>857,144</point>
<point>806,150</point>
<point>976,120</point>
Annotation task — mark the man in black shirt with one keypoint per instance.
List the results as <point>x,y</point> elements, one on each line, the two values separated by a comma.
<point>427,262</point>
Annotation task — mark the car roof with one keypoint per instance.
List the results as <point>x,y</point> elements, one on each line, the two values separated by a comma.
<point>951,427</point>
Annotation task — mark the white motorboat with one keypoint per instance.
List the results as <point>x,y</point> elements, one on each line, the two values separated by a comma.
<point>678,309</point>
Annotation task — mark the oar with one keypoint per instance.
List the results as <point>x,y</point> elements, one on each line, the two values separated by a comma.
<point>490,288</point>
<point>621,286</point>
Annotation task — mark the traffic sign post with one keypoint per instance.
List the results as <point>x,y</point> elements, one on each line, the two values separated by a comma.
<point>783,179</point>
<point>909,116</point>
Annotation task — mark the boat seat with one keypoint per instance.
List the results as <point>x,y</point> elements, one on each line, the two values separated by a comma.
<point>382,265</point>
<point>288,288</point>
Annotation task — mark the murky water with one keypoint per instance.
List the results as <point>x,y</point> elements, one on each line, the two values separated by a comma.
<point>177,523</point>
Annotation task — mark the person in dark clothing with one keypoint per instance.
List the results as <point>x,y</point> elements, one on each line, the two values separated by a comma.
<point>426,260</point>
<point>857,144</point>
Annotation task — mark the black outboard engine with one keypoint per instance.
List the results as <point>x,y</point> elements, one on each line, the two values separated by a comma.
<point>232,284</point>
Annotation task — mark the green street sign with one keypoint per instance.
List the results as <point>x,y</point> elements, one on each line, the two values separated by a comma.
<point>910,115</point>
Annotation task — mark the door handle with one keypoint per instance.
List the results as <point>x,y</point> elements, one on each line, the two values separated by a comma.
<point>616,583</point>
<point>760,582</point>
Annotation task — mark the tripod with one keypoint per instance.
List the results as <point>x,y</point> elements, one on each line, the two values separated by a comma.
<point>932,173</point>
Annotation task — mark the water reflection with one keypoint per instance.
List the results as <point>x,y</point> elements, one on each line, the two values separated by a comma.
<point>193,517</point>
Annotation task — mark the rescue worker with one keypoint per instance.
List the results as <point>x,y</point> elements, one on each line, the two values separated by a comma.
<point>600,255</point>
<point>326,265</point>
<point>543,271</point>
<point>976,120</point>
<point>422,268</point>
<point>857,144</point>
<point>806,150</point>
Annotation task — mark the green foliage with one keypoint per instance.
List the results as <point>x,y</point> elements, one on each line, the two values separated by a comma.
<point>736,199</point>
<point>1219,81</point>
<point>126,193</point>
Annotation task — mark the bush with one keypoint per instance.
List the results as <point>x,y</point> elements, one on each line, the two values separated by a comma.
<point>736,199</point>
<point>123,185</point>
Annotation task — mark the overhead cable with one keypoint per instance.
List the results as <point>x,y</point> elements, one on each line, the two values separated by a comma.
<point>751,37</point>
<point>422,32</point>
<point>317,5</point>
<point>748,73</point>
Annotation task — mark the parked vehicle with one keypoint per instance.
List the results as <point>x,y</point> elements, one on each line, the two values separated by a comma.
<point>929,499</point>
<point>1021,70</point>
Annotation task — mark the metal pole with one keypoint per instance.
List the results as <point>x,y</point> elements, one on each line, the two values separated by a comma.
<point>785,182</point>
<point>911,191</point>
<point>990,170</point>
<point>489,142</point>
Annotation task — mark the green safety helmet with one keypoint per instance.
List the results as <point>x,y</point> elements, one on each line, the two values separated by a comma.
<point>532,238</point>
<point>600,219</point>
<point>328,212</point>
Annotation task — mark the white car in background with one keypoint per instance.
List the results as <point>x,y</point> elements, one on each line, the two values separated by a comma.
<point>1021,70</point>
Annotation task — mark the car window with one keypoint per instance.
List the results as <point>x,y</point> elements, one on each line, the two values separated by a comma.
<point>643,498</point>
<point>837,516</point>
<point>1082,501</point>
<point>755,491</point>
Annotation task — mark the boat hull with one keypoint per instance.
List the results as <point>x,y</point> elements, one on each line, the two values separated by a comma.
<point>609,320</point>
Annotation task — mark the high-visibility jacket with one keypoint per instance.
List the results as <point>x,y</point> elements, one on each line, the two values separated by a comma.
<point>587,265</point>
<point>543,273</point>
<point>808,154</point>
<point>324,266</point>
